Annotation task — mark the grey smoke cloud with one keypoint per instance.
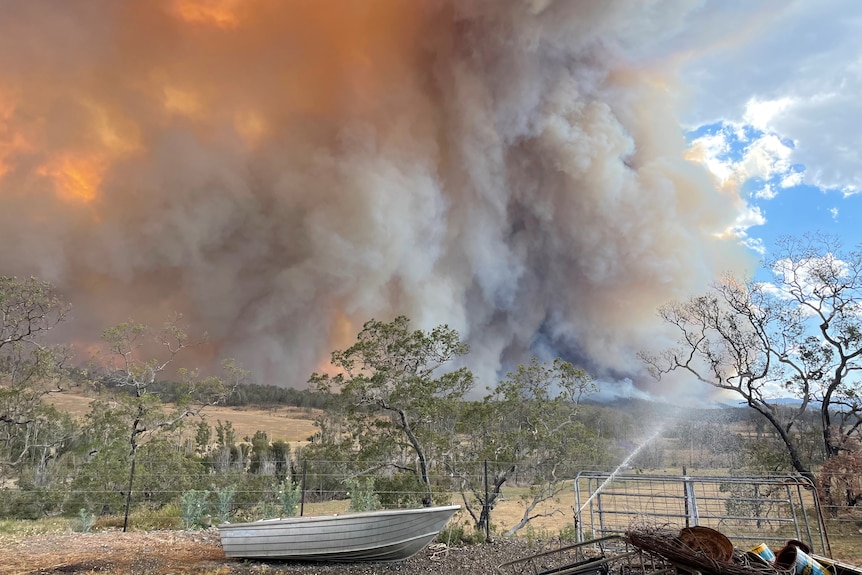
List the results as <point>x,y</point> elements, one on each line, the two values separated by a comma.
<point>281,172</point>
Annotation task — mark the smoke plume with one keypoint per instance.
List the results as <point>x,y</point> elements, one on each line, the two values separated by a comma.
<point>280,171</point>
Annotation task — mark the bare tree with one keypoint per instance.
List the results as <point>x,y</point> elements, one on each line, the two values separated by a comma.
<point>142,410</point>
<point>799,336</point>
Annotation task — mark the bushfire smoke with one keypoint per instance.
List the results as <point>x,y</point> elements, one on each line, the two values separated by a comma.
<point>280,171</point>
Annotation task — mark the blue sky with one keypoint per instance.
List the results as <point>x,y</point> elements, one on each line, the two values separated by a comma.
<point>774,112</point>
<point>778,199</point>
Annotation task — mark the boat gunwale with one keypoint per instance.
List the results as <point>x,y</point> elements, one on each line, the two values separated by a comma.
<point>264,523</point>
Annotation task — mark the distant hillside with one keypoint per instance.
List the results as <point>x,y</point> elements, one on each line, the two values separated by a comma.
<point>640,408</point>
<point>291,424</point>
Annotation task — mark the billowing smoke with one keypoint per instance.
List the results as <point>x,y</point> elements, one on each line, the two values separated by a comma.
<point>281,171</point>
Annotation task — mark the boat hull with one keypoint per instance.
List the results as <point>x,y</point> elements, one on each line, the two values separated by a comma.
<point>391,535</point>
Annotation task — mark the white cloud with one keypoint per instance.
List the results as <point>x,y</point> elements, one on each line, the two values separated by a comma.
<point>750,216</point>
<point>764,157</point>
<point>792,179</point>
<point>774,290</point>
<point>792,70</point>
<point>767,192</point>
<point>760,113</point>
<point>754,244</point>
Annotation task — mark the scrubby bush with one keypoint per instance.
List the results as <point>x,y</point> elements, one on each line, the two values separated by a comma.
<point>86,520</point>
<point>289,495</point>
<point>399,491</point>
<point>193,507</point>
<point>362,495</point>
<point>223,505</point>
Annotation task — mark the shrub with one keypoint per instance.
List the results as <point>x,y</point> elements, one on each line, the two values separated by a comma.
<point>251,492</point>
<point>29,503</point>
<point>289,495</point>
<point>148,517</point>
<point>457,534</point>
<point>400,490</point>
<point>362,495</point>
<point>265,510</point>
<point>568,534</point>
<point>193,507</point>
<point>86,520</point>
<point>224,503</point>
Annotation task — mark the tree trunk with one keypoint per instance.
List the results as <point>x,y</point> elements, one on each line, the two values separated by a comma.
<point>826,424</point>
<point>795,461</point>
<point>427,499</point>
<point>133,450</point>
<point>131,481</point>
<point>499,479</point>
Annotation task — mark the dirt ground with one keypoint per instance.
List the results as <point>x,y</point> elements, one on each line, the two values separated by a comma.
<point>200,553</point>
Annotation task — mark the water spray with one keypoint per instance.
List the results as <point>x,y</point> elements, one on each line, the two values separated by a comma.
<point>622,466</point>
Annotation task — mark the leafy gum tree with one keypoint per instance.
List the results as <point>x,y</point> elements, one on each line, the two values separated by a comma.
<point>394,390</point>
<point>528,425</point>
<point>801,336</point>
<point>31,431</point>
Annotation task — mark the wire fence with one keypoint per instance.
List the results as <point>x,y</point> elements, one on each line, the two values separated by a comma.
<point>256,489</point>
<point>196,496</point>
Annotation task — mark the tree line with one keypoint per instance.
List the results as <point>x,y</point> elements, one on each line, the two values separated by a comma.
<point>399,415</point>
<point>396,415</point>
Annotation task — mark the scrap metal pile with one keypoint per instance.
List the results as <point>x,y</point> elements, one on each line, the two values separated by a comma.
<point>706,550</point>
<point>661,551</point>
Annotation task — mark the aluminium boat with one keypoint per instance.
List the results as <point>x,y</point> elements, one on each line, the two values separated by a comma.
<point>388,535</point>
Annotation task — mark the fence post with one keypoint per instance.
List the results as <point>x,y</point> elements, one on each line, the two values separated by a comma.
<point>685,499</point>
<point>487,507</point>
<point>302,488</point>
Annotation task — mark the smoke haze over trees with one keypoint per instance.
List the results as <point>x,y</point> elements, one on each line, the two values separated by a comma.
<point>398,430</point>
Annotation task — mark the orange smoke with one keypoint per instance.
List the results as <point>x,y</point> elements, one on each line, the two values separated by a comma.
<point>332,60</point>
<point>212,68</point>
<point>220,13</point>
<point>76,177</point>
<point>281,171</point>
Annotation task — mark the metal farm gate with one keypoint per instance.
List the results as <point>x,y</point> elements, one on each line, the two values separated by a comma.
<point>748,510</point>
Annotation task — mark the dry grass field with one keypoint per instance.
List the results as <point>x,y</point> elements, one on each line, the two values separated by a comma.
<point>290,424</point>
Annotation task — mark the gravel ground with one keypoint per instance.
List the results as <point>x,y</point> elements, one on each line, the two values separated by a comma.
<point>200,553</point>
